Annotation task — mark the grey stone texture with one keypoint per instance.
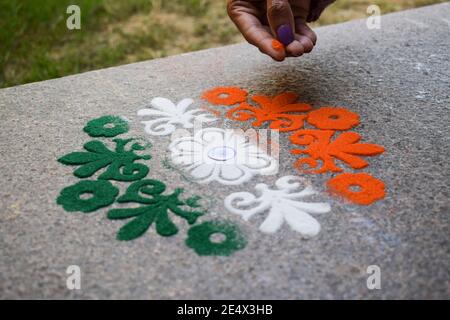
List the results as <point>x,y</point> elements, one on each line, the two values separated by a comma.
<point>396,78</point>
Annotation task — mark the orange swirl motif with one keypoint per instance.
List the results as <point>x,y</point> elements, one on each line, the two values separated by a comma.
<point>320,147</point>
<point>276,110</point>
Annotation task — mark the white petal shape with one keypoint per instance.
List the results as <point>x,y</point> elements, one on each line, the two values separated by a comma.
<point>310,207</point>
<point>234,167</point>
<point>302,222</point>
<point>273,221</point>
<point>151,112</point>
<point>231,172</point>
<point>164,104</point>
<point>168,115</point>
<point>203,171</point>
<point>282,204</point>
<point>183,105</point>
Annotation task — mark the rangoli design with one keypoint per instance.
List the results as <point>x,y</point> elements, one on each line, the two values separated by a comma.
<point>360,188</point>
<point>199,238</point>
<point>107,126</point>
<point>319,146</point>
<point>97,194</point>
<point>322,145</point>
<point>155,206</point>
<point>285,203</point>
<point>168,115</point>
<point>224,156</point>
<point>280,111</point>
<point>154,209</point>
<point>331,118</point>
<point>226,96</point>
<point>120,163</point>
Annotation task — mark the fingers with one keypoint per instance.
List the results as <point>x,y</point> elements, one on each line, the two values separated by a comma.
<point>295,48</point>
<point>305,35</point>
<point>281,20</point>
<point>293,33</point>
<point>302,28</point>
<point>305,39</point>
<point>245,17</point>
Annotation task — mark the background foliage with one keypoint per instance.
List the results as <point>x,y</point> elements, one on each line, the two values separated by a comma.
<point>35,44</point>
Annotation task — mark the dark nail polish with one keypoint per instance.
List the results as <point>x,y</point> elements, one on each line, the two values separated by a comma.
<point>285,34</point>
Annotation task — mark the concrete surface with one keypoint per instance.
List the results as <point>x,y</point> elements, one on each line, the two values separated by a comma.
<point>398,80</point>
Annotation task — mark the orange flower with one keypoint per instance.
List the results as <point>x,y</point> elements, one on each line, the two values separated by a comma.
<point>226,96</point>
<point>332,118</point>
<point>277,110</point>
<point>320,147</point>
<point>369,190</point>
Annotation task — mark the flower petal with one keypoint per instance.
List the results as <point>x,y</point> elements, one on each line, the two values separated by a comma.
<point>301,222</point>
<point>273,221</point>
<point>203,171</point>
<point>164,104</point>
<point>231,172</point>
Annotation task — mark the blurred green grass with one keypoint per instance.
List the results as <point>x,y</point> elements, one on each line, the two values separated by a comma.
<point>36,45</point>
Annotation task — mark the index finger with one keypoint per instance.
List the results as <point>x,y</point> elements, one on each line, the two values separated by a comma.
<point>252,29</point>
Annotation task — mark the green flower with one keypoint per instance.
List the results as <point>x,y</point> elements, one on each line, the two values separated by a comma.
<point>154,209</point>
<point>107,126</point>
<point>199,238</point>
<point>100,194</point>
<point>120,163</point>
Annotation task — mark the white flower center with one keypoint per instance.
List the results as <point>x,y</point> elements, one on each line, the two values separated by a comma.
<point>221,153</point>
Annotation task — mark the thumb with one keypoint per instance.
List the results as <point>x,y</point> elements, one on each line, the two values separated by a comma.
<point>281,20</point>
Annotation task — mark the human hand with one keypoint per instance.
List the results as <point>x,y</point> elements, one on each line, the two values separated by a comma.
<point>263,21</point>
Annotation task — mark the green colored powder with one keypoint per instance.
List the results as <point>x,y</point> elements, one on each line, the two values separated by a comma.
<point>120,163</point>
<point>107,126</point>
<point>199,238</point>
<point>155,209</point>
<point>101,194</point>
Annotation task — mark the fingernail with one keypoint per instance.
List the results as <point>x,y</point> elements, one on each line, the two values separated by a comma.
<point>285,34</point>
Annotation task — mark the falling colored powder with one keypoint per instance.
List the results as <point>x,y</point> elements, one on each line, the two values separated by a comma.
<point>100,194</point>
<point>226,96</point>
<point>369,188</point>
<point>277,45</point>
<point>331,118</point>
<point>199,238</point>
<point>106,126</point>
<point>280,111</point>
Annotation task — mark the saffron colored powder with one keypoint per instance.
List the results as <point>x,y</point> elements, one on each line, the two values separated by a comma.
<point>369,188</point>
<point>277,45</point>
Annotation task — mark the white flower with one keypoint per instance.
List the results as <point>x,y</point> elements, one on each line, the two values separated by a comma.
<point>168,115</point>
<point>215,154</point>
<point>282,204</point>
